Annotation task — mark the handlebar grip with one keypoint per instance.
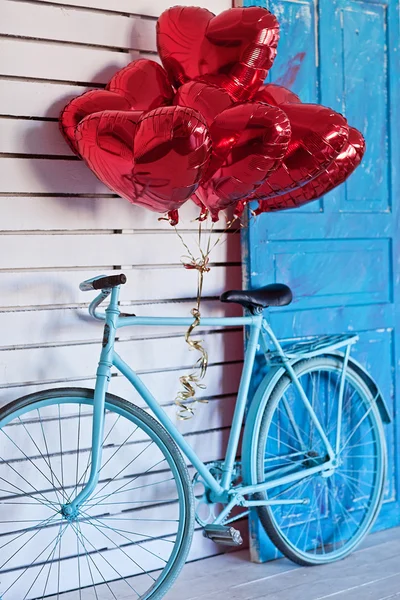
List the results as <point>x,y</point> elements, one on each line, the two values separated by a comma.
<point>109,282</point>
<point>102,283</point>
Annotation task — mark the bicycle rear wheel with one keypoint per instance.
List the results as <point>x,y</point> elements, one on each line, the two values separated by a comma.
<point>340,505</point>
<point>129,539</point>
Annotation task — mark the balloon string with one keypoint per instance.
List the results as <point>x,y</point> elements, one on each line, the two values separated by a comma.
<point>186,398</point>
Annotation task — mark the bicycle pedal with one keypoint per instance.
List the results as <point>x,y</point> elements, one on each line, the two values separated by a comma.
<point>224,535</point>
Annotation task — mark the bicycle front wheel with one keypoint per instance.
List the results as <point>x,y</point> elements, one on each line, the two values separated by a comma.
<point>324,516</point>
<point>129,539</point>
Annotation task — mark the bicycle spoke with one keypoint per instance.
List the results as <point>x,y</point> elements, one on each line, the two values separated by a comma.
<point>95,497</point>
<point>58,538</point>
<point>98,570</point>
<point>18,473</point>
<point>123,490</point>
<point>100,529</point>
<point>41,454</point>
<point>355,429</point>
<point>112,566</point>
<point>87,557</point>
<point>78,440</point>
<point>51,565</point>
<point>25,531</point>
<point>79,567</point>
<point>82,478</point>
<point>52,474</point>
<point>149,537</point>
<point>61,452</point>
<point>29,566</point>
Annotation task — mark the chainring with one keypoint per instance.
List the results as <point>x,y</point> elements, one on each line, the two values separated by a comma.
<point>206,510</point>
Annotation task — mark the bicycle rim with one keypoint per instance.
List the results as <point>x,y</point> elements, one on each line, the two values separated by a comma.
<point>340,506</point>
<point>129,539</point>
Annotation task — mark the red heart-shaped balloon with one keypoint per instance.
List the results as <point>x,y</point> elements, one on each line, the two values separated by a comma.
<point>338,171</point>
<point>208,100</point>
<point>249,141</point>
<point>276,95</point>
<point>318,136</point>
<point>142,85</point>
<point>238,46</point>
<point>154,159</point>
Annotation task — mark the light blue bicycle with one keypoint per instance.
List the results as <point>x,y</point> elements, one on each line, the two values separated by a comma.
<point>96,497</point>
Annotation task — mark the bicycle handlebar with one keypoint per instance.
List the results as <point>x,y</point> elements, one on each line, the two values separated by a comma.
<point>103,282</point>
<point>96,303</point>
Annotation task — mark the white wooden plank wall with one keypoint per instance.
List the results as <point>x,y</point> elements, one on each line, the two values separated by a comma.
<point>60,225</point>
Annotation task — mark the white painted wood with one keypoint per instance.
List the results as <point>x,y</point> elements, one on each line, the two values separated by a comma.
<point>45,176</point>
<point>57,250</point>
<point>222,380</point>
<point>37,138</point>
<point>60,288</point>
<point>36,99</point>
<point>61,23</point>
<point>82,358</point>
<point>60,62</point>
<point>50,239</point>
<point>143,7</point>
<point>57,326</point>
<point>70,213</point>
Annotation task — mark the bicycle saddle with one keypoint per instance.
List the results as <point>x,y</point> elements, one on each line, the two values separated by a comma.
<point>275,294</point>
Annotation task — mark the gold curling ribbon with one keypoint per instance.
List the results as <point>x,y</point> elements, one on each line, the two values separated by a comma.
<point>186,398</point>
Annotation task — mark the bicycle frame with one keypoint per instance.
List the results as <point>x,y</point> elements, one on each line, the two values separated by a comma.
<point>222,491</point>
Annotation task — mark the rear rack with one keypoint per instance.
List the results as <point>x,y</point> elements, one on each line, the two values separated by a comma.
<point>310,347</point>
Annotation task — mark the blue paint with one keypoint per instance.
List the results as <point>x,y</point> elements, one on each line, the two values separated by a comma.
<point>341,254</point>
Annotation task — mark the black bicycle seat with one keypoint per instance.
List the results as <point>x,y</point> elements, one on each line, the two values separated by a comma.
<point>275,294</point>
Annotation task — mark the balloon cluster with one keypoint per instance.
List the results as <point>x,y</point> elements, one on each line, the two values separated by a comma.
<point>206,127</point>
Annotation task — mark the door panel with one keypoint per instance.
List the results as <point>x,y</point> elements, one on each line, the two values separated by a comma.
<point>341,254</point>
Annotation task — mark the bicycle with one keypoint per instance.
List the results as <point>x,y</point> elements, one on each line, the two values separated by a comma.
<point>96,498</point>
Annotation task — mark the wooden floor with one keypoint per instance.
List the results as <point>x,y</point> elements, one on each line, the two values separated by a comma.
<point>370,573</point>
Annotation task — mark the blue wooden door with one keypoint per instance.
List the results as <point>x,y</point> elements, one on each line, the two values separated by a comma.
<point>341,255</point>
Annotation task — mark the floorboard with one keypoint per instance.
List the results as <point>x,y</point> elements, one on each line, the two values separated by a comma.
<point>370,573</point>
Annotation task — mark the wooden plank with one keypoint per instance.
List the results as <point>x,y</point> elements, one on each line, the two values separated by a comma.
<point>60,288</point>
<point>57,251</point>
<point>60,62</point>
<point>19,136</point>
<point>38,176</point>
<point>222,380</point>
<point>385,587</point>
<point>27,213</point>
<point>215,415</point>
<point>61,23</point>
<point>142,7</point>
<point>81,359</point>
<point>36,99</point>
<point>225,572</point>
<point>66,325</point>
<point>233,575</point>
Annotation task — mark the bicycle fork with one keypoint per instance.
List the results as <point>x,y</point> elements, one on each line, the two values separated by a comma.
<point>103,376</point>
